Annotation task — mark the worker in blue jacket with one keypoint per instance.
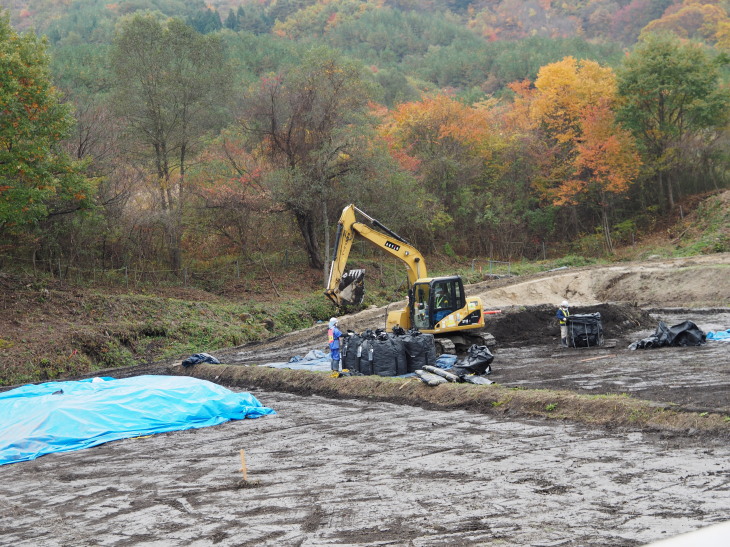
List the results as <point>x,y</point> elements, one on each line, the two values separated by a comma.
<point>562,314</point>
<point>333,339</point>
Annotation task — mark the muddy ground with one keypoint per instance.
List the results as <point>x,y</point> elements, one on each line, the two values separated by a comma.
<point>327,472</point>
<point>366,472</point>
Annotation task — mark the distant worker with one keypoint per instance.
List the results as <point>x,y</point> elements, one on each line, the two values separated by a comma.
<point>562,314</point>
<point>333,338</point>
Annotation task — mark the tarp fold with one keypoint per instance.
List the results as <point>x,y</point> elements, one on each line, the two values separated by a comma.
<point>63,416</point>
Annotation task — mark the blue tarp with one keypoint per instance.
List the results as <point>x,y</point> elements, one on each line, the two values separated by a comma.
<point>446,361</point>
<point>721,335</point>
<point>317,360</point>
<point>314,360</point>
<point>62,416</point>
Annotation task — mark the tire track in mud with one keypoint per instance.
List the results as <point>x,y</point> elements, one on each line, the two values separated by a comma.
<point>370,473</point>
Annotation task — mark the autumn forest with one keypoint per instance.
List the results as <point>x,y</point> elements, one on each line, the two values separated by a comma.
<point>173,134</point>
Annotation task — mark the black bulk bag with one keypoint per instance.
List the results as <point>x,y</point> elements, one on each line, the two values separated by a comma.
<point>401,359</point>
<point>420,349</point>
<point>365,352</point>
<point>351,351</point>
<point>430,344</point>
<point>416,350</point>
<point>585,330</point>
<point>384,356</point>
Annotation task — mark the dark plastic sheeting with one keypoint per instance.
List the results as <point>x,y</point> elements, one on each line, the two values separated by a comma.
<point>682,334</point>
<point>477,361</point>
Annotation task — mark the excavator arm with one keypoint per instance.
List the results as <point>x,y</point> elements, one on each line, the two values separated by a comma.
<point>346,288</point>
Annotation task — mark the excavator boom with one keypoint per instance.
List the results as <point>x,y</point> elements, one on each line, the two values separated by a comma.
<point>345,288</point>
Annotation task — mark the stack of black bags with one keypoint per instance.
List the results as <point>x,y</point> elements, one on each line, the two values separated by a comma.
<point>387,354</point>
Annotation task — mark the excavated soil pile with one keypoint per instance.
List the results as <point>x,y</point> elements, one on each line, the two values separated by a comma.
<point>537,324</point>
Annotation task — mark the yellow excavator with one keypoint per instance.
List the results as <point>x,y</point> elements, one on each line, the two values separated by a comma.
<point>435,305</point>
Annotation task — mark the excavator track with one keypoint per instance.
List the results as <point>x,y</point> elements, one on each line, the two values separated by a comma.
<point>459,343</point>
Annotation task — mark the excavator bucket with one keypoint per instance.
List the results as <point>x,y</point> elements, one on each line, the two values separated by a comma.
<point>351,290</point>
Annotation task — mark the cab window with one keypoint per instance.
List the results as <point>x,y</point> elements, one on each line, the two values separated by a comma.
<point>421,312</point>
<point>459,300</point>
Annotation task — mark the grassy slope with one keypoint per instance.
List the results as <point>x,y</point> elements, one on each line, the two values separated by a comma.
<point>51,329</point>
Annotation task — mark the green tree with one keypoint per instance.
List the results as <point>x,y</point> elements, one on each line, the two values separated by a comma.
<point>231,21</point>
<point>673,103</point>
<point>171,83</point>
<point>81,69</point>
<point>456,146</point>
<point>37,179</point>
<point>205,21</point>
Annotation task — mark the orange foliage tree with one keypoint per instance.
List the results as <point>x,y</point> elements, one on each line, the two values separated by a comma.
<point>606,163</point>
<point>591,158</point>
<point>455,146</point>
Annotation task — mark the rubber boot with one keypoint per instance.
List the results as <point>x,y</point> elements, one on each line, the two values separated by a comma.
<point>564,342</point>
<point>335,364</point>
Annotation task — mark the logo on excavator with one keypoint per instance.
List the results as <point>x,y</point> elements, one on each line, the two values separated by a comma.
<point>391,245</point>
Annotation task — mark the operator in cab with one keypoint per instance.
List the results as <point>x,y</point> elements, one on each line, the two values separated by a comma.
<point>442,306</point>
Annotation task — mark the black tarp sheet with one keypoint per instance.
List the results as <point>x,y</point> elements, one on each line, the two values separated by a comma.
<point>685,333</point>
<point>477,361</point>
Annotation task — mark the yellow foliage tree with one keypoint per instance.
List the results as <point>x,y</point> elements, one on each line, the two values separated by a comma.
<point>588,157</point>
<point>565,89</point>
<point>723,35</point>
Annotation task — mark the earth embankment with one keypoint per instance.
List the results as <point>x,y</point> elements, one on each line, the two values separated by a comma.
<point>691,282</point>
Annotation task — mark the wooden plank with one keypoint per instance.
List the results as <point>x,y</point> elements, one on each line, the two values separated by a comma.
<point>596,358</point>
<point>243,465</point>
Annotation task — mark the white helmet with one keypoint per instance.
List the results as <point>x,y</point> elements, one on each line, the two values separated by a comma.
<point>333,322</point>
<point>564,304</point>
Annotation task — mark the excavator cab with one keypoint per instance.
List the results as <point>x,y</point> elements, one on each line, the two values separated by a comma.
<point>434,299</point>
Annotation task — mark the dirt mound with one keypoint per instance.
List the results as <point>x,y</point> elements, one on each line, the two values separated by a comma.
<point>692,282</point>
<point>537,324</point>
